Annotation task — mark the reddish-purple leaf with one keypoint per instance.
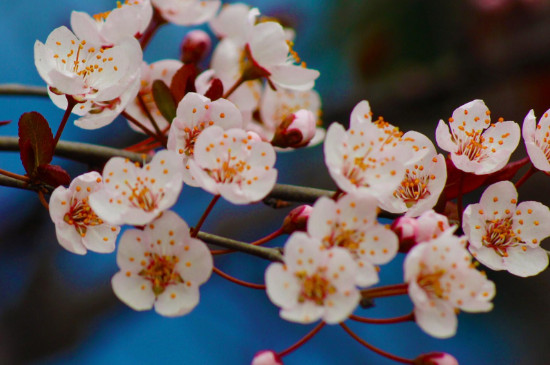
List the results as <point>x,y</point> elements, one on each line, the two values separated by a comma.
<point>53,175</point>
<point>183,81</point>
<point>164,100</point>
<point>5,122</point>
<point>215,91</point>
<point>507,172</point>
<point>36,142</point>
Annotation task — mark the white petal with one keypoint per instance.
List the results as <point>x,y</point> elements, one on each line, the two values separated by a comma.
<point>282,287</point>
<point>177,300</point>
<point>133,290</point>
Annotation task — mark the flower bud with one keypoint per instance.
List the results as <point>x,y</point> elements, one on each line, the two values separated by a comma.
<point>434,358</point>
<point>266,357</point>
<point>296,130</point>
<point>406,229</point>
<point>296,220</point>
<point>195,46</point>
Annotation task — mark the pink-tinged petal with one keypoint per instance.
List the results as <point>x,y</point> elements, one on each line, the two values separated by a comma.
<point>306,312</point>
<point>338,307</point>
<point>101,238</point>
<point>187,13</point>
<point>358,210</point>
<point>232,21</point>
<point>533,220</point>
<point>379,245</point>
<point>529,127</point>
<point>282,287</point>
<point>443,137</point>
<point>499,200</point>
<point>226,60</point>
<point>131,250</point>
<point>418,295</point>
<point>305,251</point>
<point>473,224</point>
<point>361,113</point>
<point>293,77</point>
<point>133,290</point>
<point>418,145</point>
<point>333,147</point>
<point>84,27</point>
<point>262,154</point>
<point>254,189</point>
<point>472,115</point>
<point>191,110</point>
<point>69,238</point>
<point>322,219</point>
<point>481,303</point>
<point>537,156</point>
<point>201,178</point>
<point>207,157</point>
<point>166,169</point>
<point>530,262</point>
<point>341,269</point>
<point>268,44</point>
<point>195,265</point>
<point>177,300</point>
<point>59,204</point>
<point>488,257</point>
<point>225,114</point>
<point>439,321</point>
<point>367,274</point>
<point>411,266</point>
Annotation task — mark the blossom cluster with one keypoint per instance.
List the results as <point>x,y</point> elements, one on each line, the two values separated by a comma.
<point>220,127</point>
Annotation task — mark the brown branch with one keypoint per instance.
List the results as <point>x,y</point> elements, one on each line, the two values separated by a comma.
<point>270,254</point>
<point>19,89</point>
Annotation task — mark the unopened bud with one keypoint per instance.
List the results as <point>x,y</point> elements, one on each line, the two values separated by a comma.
<point>195,46</point>
<point>296,220</point>
<point>296,130</point>
<point>266,357</point>
<point>435,358</point>
<point>405,228</point>
<point>431,225</point>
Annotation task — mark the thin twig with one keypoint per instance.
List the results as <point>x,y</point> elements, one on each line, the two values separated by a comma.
<point>270,254</point>
<point>19,89</point>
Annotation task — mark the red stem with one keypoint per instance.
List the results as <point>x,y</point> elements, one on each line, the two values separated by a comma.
<point>303,340</point>
<point>238,281</point>
<point>261,241</point>
<point>386,291</point>
<point>140,126</point>
<point>71,102</point>
<point>375,349</point>
<point>527,175</point>
<point>197,228</point>
<point>156,22</point>
<point>15,176</point>
<point>233,88</point>
<point>161,138</point>
<point>405,318</point>
<point>43,200</point>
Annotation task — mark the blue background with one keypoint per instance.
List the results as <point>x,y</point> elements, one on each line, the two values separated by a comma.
<point>40,283</point>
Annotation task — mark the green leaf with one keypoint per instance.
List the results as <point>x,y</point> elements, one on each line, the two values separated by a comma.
<point>164,100</point>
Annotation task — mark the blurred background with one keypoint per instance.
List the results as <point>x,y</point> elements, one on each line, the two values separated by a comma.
<point>415,61</point>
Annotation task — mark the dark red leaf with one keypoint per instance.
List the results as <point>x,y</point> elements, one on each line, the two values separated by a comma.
<point>36,142</point>
<point>5,122</point>
<point>507,172</point>
<point>164,100</point>
<point>183,81</point>
<point>215,91</point>
<point>53,175</point>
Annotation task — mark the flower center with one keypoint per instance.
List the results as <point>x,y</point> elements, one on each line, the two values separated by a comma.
<point>314,287</point>
<point>161,272</point>
<point>346,238</point>
<point>414,186</point>
<point>142,196</point>
<point>81,216</point>
<point>191,135</point>
<point>500,235</point>
<point>473,146</point>
<point>229,171</point>
<point>431,283</point>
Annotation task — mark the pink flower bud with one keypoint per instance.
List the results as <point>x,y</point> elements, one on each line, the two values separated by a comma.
<point>431,225</point>
<point>195,46</point>
<point>296,130</point>
<point>266,357</point>
<point>435,358</point>
<point>296,220</point>
<point>406,229</point>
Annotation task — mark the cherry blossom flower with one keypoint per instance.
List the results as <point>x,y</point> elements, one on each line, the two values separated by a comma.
<point>128,19</point>
<point>77,226</point>
<point>313,283</point>
<point>277,106</point>
<point>195,113</point>
<point>162,70</point>
<point>506,236</point>
<point>161,266</point>
<point>351,224</point>
<point>442,279</point>
<point>234,164</point>
<point>420,188</point>
<point>134,195</point>
<point>537,140</point>
<point>266,357</point>
<point>187,12</point>
<point>86,71</point>
<point>370,157</point>
<point>476,145</point>
<point>262,52</point>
